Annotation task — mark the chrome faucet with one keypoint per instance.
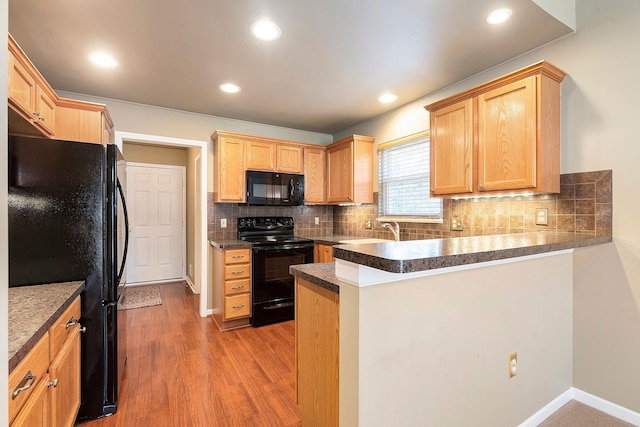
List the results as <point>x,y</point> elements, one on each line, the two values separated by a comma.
<point>395,229</point>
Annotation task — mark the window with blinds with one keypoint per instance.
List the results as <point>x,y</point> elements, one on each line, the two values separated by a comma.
<point>403,189</point>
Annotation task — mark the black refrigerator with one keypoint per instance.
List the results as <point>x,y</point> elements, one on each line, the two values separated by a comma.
<point>67,222</point>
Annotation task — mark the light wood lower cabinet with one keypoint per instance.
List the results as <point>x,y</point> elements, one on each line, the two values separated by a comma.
<point>44,389</point>
<point>323,252</point>
<point>231,287</point>
<point>317,354</point>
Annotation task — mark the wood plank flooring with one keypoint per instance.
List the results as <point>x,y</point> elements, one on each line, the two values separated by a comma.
<point>182,371</point>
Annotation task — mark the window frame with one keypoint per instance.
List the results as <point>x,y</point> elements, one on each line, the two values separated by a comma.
<point>383,216</point>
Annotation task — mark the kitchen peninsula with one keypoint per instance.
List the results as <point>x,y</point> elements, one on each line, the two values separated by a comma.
<point>420,332</point>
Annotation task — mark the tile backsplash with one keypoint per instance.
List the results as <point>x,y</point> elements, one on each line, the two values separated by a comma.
<point>584,206</point>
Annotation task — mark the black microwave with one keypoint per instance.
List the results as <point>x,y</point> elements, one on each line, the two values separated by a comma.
<point>275,189</point>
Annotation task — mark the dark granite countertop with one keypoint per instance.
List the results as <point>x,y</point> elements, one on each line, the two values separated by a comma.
<point>32,311</point>
<point>229,244</point>
<point>419,255</point>
<point>321,274</point>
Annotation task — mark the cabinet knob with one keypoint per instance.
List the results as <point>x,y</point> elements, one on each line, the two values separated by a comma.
<point>72,321</point>
<point>36,113</point>
<point>432,190</point>
<point>53,383</point>
<point>480,187</point>
<point>237,306</point>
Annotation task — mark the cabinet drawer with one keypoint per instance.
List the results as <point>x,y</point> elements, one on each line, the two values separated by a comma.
<point>237,256</point>
<point>239,271</point>
<point>237,306</point>
<point>27,374</point>
<point>59,332</point>
<point>232,287</point>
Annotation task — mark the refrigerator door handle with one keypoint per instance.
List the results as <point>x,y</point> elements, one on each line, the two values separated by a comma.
<point>126,227</point>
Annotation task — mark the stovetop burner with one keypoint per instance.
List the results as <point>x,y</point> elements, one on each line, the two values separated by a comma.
<point>264,231</point>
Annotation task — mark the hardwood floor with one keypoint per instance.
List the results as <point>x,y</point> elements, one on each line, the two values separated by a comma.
<point>182,371</point>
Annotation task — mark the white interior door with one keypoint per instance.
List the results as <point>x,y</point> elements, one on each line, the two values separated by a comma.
<point>156,201</point>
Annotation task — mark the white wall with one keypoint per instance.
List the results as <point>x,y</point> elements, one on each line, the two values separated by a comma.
<point>4,269</point>
<point>599,130</point>
<point>434,351</point>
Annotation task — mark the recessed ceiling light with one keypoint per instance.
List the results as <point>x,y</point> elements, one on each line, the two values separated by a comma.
<point>265,30</point>
<point>103,59</point>
<point>387,98</point>
<point>229,88</point>
<point>498,16</point>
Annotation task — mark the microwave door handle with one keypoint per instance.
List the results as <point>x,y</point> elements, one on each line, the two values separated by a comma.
<point>291,189</point>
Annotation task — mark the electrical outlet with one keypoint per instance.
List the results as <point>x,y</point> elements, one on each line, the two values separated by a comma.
<point>542,216</point>
<point>368,224</point>
<point>456,224</point>
<point>317,220</point>
<point>513,365</point>
<point>223,223</point>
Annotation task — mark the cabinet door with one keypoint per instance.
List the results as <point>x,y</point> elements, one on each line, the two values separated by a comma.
<point>314,175</point>
<point>317,354</point>
<point>230,175</point>
<point>507,137</point>
<point>451,144</point>
<point>64,373</point>
<point>322,253</point>
<point>340,171</point>
<point>36,412</point>
<point>260,155</point>
<point>290,158</point>
<point>45,111</point>
<point>21,88</point>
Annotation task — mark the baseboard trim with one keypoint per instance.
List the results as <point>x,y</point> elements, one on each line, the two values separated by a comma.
<point>191,285</point>
<point>607,407</point>
<point>548,409</point>
<point>588,399</point>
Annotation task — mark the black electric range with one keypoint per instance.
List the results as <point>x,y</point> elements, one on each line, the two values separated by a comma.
<point>275,248</point>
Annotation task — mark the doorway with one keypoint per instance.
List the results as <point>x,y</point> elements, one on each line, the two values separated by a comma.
<point>201,264</point>
<point>157,243</point>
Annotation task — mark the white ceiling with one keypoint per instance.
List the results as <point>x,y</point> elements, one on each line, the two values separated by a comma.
<point>324,74</point>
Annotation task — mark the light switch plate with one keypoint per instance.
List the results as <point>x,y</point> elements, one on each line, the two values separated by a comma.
<point>223,222</point>
<point>542,216</point>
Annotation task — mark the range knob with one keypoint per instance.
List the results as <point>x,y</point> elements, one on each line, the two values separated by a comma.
<point>243,222</point>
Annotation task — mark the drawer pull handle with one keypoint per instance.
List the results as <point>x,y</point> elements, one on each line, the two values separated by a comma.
<point>53,383</point>
<point>237,256</point>
<point>237,272</point>
<point>237,306</point>
<point>23,386</point>
<point>71,322</point>
<point>237,287</point>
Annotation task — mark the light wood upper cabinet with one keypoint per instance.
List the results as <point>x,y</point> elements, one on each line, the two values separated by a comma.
<point>289,158</point>
<point>507,137</point>
<point>260,155</point>
<point>35,109</point>
<point>83,122</point>
<point>315,161</point>
<point>31,100</point>
<point>452,149</point>
<point>229,183</point>
<point>350,170</point>
<point>515,134</point>
<point>269,155</point>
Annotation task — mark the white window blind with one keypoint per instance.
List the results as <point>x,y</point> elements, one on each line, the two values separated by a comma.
<point>403,188</point>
